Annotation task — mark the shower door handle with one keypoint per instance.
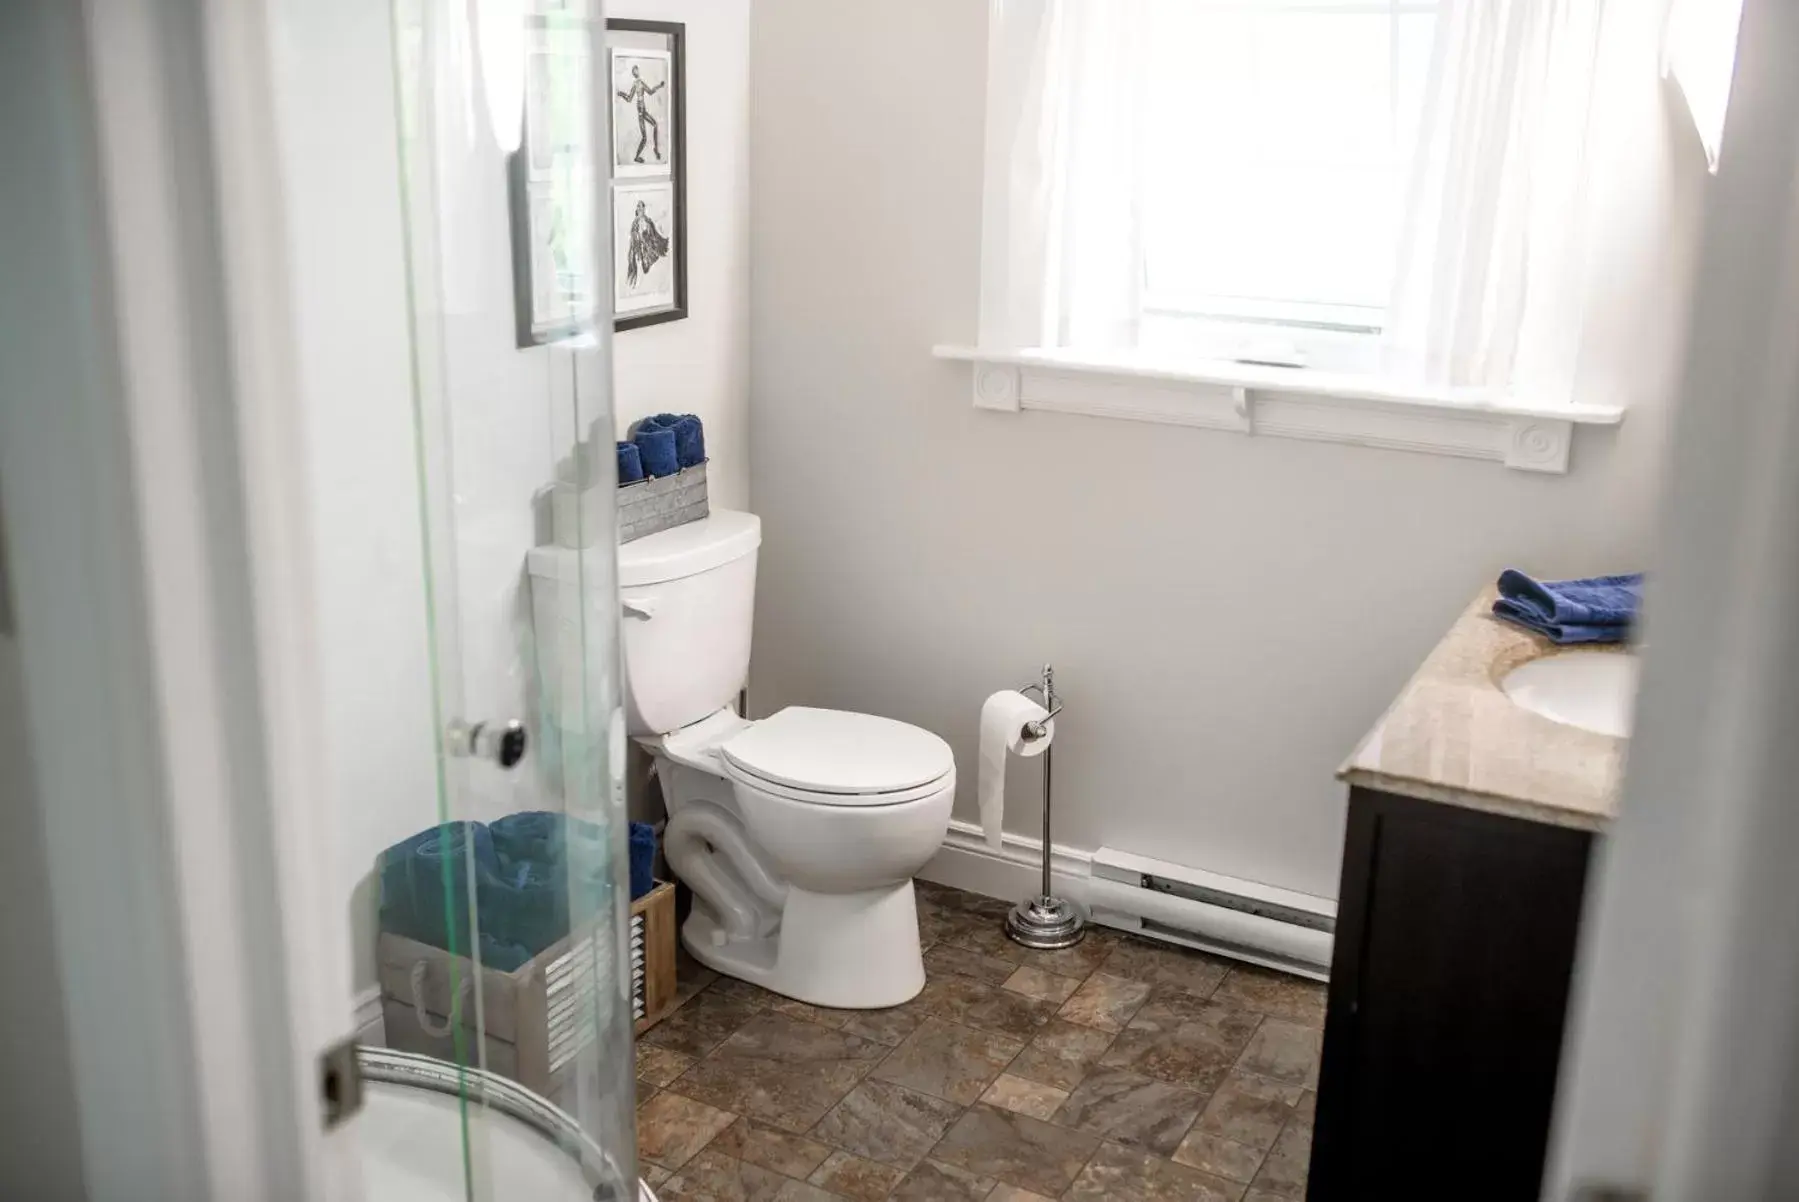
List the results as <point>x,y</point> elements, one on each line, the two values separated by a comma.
<point>502,742</point>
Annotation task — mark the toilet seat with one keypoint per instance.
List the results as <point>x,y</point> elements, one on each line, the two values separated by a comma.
<point>838,758</point>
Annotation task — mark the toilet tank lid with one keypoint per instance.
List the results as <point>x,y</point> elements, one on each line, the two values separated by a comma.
<point>669,555</point>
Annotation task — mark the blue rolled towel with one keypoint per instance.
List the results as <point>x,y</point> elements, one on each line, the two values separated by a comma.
<point>656,446</point>
<point>425,883</point>
<point>630,463</point>
<point>690,435</point>
<point>1597,609</point>
<point>643,859</point>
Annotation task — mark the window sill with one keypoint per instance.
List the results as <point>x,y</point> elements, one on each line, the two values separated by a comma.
<point>1283,402</point>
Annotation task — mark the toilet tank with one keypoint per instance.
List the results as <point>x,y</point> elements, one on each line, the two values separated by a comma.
<point>689,597</point>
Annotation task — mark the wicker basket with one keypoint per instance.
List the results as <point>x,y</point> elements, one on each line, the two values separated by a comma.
<point>662,503</point>
<point>537,1018</point>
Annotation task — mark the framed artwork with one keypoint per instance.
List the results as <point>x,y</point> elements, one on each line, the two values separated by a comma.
<point>647,137</point>
<point>552,183</point>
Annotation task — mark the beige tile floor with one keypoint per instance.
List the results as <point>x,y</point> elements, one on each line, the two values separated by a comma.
<point>1118,1070</point>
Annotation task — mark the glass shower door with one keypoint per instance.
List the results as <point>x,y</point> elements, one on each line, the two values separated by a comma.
<point>504,952</point>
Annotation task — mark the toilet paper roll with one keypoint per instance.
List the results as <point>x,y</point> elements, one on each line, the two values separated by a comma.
<point>1003,719</point>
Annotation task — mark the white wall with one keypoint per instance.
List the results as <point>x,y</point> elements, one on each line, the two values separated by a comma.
<point>1227,615</point>
<point>511,410</point>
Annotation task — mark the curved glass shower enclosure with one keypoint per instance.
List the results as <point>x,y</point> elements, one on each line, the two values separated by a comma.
<point>501,928</point>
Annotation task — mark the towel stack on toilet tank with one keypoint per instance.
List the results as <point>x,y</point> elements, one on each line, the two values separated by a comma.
<point>661,475</point>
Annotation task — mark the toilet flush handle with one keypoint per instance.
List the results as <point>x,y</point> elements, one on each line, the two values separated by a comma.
<point>643,607</point>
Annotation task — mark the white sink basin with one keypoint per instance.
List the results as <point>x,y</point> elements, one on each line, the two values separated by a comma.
<point>1594,690</point>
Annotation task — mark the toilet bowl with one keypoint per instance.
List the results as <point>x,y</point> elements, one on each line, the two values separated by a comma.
<point>797,833</point>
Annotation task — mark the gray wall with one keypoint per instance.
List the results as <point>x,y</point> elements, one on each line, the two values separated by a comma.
<point>1228,614</point>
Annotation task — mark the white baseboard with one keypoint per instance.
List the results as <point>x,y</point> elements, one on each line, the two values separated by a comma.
<point>1012,873</point>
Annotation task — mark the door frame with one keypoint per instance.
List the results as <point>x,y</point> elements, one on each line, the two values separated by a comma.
<point>1684,1030</point>
<point>155,512</point>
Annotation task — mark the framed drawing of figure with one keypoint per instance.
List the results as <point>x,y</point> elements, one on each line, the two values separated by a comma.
<point>647,107</point>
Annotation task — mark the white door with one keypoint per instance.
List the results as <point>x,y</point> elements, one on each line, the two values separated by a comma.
<point>1681,1076</point>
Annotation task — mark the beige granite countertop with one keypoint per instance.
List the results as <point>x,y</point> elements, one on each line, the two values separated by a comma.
<point>1453,736</point>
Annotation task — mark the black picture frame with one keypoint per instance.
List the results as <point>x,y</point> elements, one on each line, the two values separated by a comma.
<point>528,331</point>
<point>676,34</point>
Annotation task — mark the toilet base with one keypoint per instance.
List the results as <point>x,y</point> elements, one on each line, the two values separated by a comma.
<point>847,951</point>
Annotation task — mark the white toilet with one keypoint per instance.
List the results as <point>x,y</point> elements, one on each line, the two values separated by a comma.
<point>798,833</point>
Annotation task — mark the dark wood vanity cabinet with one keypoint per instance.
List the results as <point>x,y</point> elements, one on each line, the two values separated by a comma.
<point>1449,987</point>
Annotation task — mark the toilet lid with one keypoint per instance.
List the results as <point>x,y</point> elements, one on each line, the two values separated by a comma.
<point>851,756</point>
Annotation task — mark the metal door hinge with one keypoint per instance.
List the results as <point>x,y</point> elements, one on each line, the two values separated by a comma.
<point>340,1083</point>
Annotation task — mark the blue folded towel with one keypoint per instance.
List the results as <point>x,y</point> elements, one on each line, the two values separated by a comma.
<point>656,446</point>
<point>643,859</point>
<point>630,463</point>
<point>1598,609</point>
<point>690,435</point>
<point>536,875</point>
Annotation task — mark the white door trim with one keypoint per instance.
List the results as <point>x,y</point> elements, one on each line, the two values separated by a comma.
<point>1684,1036</point>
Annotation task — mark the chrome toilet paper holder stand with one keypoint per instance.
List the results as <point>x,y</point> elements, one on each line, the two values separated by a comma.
<point>1045,922</point>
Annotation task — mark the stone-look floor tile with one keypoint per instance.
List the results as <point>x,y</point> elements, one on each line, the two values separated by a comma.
<point>782,1072</point>
<point>658,1066</point>
<point>743,991</point>
<point>654,1174</point>
<point>1283,1172</point>
<point>753,1143</point>
<point>1016,1149</point>
<point>948,1061</point>
<point>984,933</point>
<point>806,1012</point>
<point>883,1026</point>
<point>1120,1174</point>
<point>883,1122</point>
<point>1275,994</point>
<point>1169,1007</point>
<point>1295,1143</point>
<point>1282,1051</point>
<point>946,959</point>
<point>671,1129</point>
<point>1079,961</point>
<point>1281,1177</point>
<point>1249,1110</point>
<point>714,1177</point>
<point>1026,1097</point>
<point>1197,1051</point>
<point>1219,1156</point>
<point>801,1191</point>
<point>1105,1002</point>
<point>1011,1193</point>
<point>1061,1054</point>
<point>1262,1195</point>
<point>701,1024</point>
<point>985,1007</point>
<point>1307,1109</point>
<point>1044,986</point>
<point>690,975</point>
<point>1175,967</point>
<point>856,1179</point>
<point>934,1182</point>
<point>1131,1109</point>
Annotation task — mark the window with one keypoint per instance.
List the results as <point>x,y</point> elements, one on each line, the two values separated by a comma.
<point>1279,136</point>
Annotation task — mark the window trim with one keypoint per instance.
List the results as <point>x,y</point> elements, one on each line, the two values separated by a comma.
<point>1301,403</point>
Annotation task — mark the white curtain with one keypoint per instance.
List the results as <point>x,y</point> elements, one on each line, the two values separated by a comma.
<point>1489,282</point>
<point>1700,55</point>
<point>1061,253</point>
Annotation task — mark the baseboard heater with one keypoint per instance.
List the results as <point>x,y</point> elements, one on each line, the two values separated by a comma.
<point>1245,920</point>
